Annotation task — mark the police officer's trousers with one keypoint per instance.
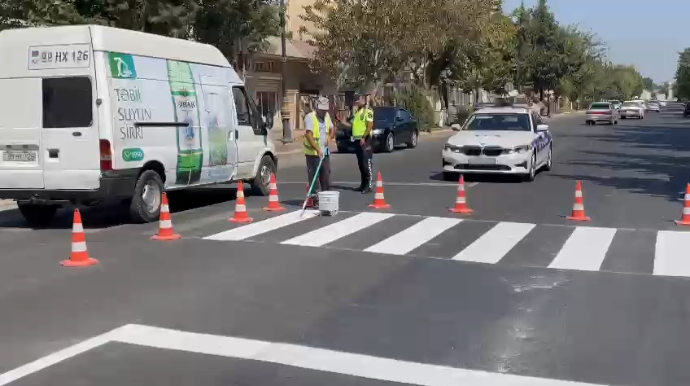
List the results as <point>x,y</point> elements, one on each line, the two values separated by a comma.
<point>364,161</point>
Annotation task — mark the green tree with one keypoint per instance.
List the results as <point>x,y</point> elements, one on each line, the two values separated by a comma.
<point>545,50</point>
<point>170,17</point>
<point>683,75</point>
<point>216,23</point>
<point>648,84</point>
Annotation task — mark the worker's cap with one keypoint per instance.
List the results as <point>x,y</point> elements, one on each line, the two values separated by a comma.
<point>322,103</point>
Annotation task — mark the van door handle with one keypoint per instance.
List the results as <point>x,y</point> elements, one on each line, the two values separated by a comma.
<point>237,134</point>
<point>76,133</point>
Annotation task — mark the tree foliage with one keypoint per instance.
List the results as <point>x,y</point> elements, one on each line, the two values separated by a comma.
<point>683,75</point>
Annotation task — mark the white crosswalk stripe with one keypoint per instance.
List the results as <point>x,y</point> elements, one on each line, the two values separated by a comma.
<point>414,236</point>
<point>583,248</point>
<point>338,230</point>
<point>494,244</point>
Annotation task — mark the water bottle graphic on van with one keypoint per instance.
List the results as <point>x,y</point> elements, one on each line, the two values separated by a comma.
<point>190,154</point>
<point>217,130</point>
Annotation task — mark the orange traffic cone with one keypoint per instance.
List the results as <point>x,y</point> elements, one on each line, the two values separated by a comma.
<point>165,228</point>
<point>461,201</point>
<point>241,215</point>
<point>79,256</point>
<point>685,218</point>
<point>379,200</point>
<point>273,201</point>
<point>579,205</point>
<point>310,200</point>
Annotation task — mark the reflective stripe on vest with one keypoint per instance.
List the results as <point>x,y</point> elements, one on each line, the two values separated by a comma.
<point>308,150</point>
<point>359,124</point>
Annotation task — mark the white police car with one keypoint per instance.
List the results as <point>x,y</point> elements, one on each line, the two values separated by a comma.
<point>499,140</point>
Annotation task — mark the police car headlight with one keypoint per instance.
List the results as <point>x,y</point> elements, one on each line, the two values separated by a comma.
<point>522,149</point>
<point>378,131</point>
<point>453,148</point>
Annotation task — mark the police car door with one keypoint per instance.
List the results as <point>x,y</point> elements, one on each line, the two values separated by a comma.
<point>541,139</point>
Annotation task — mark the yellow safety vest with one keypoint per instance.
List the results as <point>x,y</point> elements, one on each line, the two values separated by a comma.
<point>308,150</point>
<point>359,124</point>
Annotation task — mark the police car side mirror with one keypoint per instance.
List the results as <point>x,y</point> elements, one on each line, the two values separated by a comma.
<point>456,127</point>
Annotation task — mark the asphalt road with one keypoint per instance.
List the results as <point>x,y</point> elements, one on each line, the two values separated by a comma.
<point>512,294</point>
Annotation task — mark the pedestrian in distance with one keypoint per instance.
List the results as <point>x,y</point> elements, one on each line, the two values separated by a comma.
<point>319,132</point>
<point>362,125</point>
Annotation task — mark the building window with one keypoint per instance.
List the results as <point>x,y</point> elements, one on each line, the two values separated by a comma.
<point>67,102</point>
<point>263,66</point>
<point>266,101</point>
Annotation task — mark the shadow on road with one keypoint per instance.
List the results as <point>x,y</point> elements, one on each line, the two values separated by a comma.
<point>652,159</point>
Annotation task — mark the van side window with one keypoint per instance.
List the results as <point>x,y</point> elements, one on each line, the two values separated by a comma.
<point>67,102</point>
<point>243,112</point>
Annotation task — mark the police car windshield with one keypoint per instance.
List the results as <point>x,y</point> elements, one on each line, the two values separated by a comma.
<point>499,122</point>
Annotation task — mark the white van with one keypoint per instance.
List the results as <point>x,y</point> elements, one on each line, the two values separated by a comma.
<point>89,113</point>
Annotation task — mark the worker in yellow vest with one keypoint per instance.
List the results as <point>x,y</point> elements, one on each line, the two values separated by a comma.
<point>362,125</point>
<point>319,131</point>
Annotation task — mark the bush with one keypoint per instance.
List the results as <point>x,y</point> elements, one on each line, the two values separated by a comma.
<point>413,99</point>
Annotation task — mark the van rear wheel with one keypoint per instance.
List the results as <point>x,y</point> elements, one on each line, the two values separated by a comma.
<point>37,215</point>
<point>263,176</point>
<point>146,202</point>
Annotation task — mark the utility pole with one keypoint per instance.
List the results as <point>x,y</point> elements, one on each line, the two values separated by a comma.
<point>284,110</point>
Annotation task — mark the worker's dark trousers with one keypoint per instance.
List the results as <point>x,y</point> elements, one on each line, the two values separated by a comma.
<point>364,161</point>
<point>324,180</point>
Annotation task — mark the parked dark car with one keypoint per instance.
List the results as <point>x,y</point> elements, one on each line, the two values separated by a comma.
<point>393,126</point>
<point>686,110</point>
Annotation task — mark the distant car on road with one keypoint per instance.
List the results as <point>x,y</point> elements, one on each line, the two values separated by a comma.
<point>654,106</point>
<point>631,109</point>
<point>499,140</point>
<point>616,104</point>
<point>393,126</point>
<point>601,112</point>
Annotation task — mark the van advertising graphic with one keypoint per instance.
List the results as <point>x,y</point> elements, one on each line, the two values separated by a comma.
<point>149,99</point>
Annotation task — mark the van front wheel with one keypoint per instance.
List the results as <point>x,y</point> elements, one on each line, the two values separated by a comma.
<point>38,216</point>
<point>263,175</point>
<point>146,202</point>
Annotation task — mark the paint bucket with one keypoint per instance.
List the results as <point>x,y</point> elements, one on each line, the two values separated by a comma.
<point>329,202</point>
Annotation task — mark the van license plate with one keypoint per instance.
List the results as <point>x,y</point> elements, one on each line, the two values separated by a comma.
<point>19,156</point>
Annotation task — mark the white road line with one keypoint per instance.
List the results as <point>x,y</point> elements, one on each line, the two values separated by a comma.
<point>330,233</point>
<point>585,249</point>
<point>670,257</point>
<point>494,244</point>
<point>414,236</point>
<point>59,356</point>
<point>338,362</point>
<point>257,228</point>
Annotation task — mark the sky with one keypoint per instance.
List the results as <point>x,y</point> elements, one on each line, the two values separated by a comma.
<point>646,34</point>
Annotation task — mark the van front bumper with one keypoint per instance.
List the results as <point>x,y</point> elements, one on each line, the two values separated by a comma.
<point>115,184</point>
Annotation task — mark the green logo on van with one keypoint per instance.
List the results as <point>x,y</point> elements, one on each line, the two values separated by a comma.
<point>131,155</point>
<point>122,66</point>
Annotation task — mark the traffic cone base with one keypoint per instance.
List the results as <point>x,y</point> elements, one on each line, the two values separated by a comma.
<point>681,222</point>
<point>165,228</point>
<point>240,215</point>
<point>79,263</point>
<point>273,200</point>
<point>379,199</point>
<point>578,218</point>
<point>79,256</point>
<point>461,210</point>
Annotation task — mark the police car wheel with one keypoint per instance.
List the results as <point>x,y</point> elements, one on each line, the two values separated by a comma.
<point>549,160</point>
<point>532,173</point>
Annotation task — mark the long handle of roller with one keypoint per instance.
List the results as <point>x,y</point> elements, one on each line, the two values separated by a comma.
<point>311,187</point>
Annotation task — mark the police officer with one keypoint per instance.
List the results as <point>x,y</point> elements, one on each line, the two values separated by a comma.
<point>362,125</point>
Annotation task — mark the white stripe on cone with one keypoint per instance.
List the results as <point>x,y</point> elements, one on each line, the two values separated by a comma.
<point>460,200</point>
<point>77,227</point>
<point>379,183</point>
<point>687,197</point>
<point>686,211</point>
<point>165,208</point>
<point>578,207</point>
<point>578,193</point>
<point>272,198</point>
<point>79,247</point>
<point>165,224</point>
<point>272,186</point>
<point>378,196</point>
<point>240,208</point>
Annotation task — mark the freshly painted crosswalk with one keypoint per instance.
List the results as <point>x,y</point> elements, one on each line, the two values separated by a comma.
<point>579,248</point>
